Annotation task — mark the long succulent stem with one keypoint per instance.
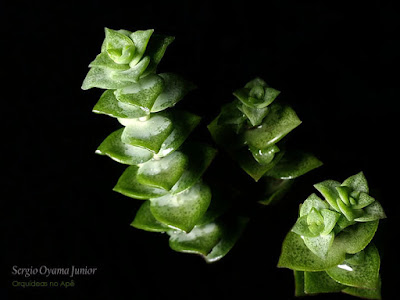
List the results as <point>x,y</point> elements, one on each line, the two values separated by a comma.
<point>163,170</point>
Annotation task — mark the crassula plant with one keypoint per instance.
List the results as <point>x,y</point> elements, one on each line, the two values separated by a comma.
<point>329,247</point>
<point>163,170</point>
<point>252,129</point>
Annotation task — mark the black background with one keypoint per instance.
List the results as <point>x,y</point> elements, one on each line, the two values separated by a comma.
<point>336,65</point>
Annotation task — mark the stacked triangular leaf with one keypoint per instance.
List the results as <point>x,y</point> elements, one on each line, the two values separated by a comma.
<point>250,129</point>
<point>164,170</point>
<point>329,248</point>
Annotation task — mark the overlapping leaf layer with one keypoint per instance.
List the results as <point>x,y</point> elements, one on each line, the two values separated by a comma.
<point>164,170</point>
<point>329,248</point>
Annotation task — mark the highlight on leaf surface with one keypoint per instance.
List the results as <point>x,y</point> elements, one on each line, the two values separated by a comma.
<point>330,244</point>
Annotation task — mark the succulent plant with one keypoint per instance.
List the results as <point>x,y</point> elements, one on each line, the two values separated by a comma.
<point>164,170</point>
<point>252,128</point>
<point>329,248</point>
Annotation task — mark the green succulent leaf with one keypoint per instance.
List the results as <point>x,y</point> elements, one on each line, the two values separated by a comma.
<point>313,201</point>
<point>372,212</point>
<point>301,227</point>
<point>104,79</point>
<point>363,200</point>
<point>281,120</point>
<point>265,156</point>
<point>109,105</point>
<point>143,93</point>
<point>201,239</point>
<point>364,293</point>
<point>320,282</point>
<point>128,185</point>
<point>231,115</point>
<point>103,60</point>
<point>297,256</point>
<point>247,162</point>
<point>183,210</point>
<point>163,173</point>
<point>365,275</point>
<point>355,238</point>
<point>149,134</point>
<point>357,182</point>
<point>133,74</point>
<point>183,124</point>
<point>175,88</point>
<point>231,233</point>
<point>275,190</point>
<point>294,164</point>
<point>199,158</point>
<point>224,135</point>
<point>328,189</point>
<point>145,220</point>
<point>123,153</point>
<point>348,212</point>
<point>319,245</point>
<point>330,218</point>
<point>255,115</point>
<point>156,48</point>
<point>140,38</point>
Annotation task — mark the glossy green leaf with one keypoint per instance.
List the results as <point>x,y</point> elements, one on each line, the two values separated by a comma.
<point>143,93</point>
<point>201,239</point>
<point>320,282</point>
<point>123,153</point>
<point>183,210</point>
<point>230,114</point>
<point>156,48</point>
<point>175,88</point>
<point>145,220</point>
<point>103,78</point>
<point>115,39</point>
<point>264,156</point>
<point>280,121</point>
<point>344,194</point>
<point>348,212</point>
<point>330,219</point>
<point>231,233</point>
<point>355,238</point>
<point>247,162</point>
<point>312,201</point>
<point>328,189</point>
<point>275,190</point>
<point>149,134</point>
<point>372,212</point>
<point>140,38</point>
<point>299,283</point>
<point>294,164</point>
<point>357,182</point>
<point>363,200</point>
<point>364,293</point>
<point>255,115</point>
<point>301,228</point>
<point>133,74</point>
<point>103,60</point>
<point>256,94</point>
<point>128,185</point>
<point>319,245</point>
<point>183,124</point>
<point>199,158</point>
<point>109,105</point>
<point>365,275</point>
<point>297,256</point>
<point>163,173</point>
<point>224,135</point>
